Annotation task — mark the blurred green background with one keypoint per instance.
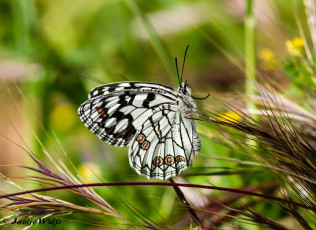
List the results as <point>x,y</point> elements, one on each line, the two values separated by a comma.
<point>47,48</point>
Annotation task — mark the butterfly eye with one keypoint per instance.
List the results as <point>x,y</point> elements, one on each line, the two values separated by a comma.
<point>183,88</point>
<point>186,85</point>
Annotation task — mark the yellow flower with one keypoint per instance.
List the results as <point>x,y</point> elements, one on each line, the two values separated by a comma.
<point>230,117</point>
<point>63,117</point>
<point>295,46</point>
<point>298,42</point>
<point>268,59</point>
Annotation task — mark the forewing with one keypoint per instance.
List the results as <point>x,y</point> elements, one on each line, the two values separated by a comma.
<point>116,111</point>
<point>131,87</point>
<point>164,146</point>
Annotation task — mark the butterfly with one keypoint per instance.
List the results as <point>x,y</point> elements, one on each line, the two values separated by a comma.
<point>152,119</point>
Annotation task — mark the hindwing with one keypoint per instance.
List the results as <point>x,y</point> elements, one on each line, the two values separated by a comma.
<point>165,145</point>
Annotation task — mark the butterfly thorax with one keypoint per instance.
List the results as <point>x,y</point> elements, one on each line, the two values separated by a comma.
<point>185,100</point>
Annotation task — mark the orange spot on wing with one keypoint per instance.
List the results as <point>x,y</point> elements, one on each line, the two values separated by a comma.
<point>169,160</point>
<point>141,138</point>
<point>145,145</point>
<point>101,111</point>
<point>179,158</point>
<point>157,161</point>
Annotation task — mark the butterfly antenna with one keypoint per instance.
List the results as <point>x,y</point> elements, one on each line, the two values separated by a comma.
<point>185,55</point>
<point>176,61</point>
<point>201,98</point>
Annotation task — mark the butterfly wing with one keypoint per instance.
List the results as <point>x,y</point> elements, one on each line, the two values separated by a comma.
<point>165,145</point>
<point>131,87</point>
<point>116,111</point>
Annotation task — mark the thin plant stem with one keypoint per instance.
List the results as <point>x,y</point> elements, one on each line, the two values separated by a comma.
<point>250,60</point>
<point>154,40</point>
<point>186,203</point>
<point>68,187</point>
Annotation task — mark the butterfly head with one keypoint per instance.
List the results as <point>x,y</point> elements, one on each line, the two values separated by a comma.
<point>185,88</point>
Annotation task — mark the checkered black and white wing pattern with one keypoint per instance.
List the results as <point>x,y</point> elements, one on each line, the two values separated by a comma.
<point>165,145</point>
<point>149,118</point>
<point>115,111</point>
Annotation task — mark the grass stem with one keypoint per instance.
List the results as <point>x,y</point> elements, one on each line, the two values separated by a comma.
<point>250,59</point>
<point>154,40</point>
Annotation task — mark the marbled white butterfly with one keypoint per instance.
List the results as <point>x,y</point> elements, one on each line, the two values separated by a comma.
<point>152,119</point>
